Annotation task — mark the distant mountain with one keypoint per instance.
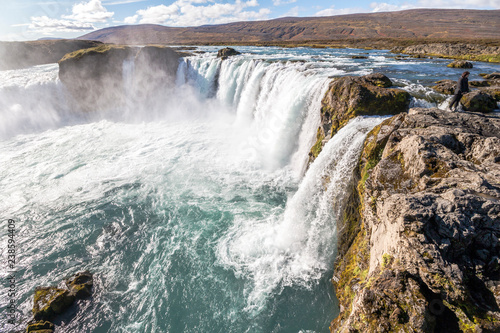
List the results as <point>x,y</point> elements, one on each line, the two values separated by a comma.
<point>436,24</point>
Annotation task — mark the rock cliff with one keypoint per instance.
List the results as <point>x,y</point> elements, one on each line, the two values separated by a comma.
<point>419,243</point>
<point>94,76</point>
<point>351,96</point>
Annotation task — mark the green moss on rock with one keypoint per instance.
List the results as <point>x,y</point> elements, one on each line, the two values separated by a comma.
<point>49,301</point>
<point>40,326</point>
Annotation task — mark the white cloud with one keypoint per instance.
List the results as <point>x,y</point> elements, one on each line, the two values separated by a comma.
<point>200,12</point>
<point>131,19</point>
<point>343,11</point>
<point>91,11</point>
<point>387,7</point>
<point>44,24</point>
<point>283,2</point>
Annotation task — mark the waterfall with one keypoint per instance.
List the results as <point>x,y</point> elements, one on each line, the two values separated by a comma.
<point>297,247</point>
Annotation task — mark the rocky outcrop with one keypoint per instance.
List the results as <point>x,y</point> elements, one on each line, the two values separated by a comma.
<point>94,77</point>
<point>478,101</point>
<point>351,96</point>
<point>445,87</point>
<point>227,52</point>
<point>462,51</point>
<point>492,76</point>
<point>419,252</point>
<point>15,55</point>
<point>460,64</point>
<point>48,302</point>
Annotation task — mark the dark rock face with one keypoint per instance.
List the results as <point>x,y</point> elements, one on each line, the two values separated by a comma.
<point>492,76</point>
<point>445,87</point>
<point>94,77</point>
<point>352,96</point>
<point>479,101</point>
<point>423,251</point>
<point>460,64</point>
<point>227,52</point>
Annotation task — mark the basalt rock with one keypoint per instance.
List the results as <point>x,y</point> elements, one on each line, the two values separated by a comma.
<point>227,52</point>
<point>40,327</point>
<point>460,64</point>
<point>492,76</point>
<point>351,96</point>
<point>479,101</point>
<point>423,256</point>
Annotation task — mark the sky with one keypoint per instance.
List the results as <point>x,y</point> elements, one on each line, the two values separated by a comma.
<point>34,19</point>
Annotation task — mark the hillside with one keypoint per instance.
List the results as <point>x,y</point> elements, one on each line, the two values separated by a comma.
<point>428,24</point>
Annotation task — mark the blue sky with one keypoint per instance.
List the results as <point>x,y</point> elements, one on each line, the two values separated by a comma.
<point>33,19</point>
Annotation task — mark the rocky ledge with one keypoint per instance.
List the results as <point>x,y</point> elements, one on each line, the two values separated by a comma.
<point>462,51</point>
<point>419,239</point>
<point>351,96</point>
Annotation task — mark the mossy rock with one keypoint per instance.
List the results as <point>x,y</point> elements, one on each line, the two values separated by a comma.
<point>40,326</point>
<point>49,301</point>
<point>460,64</point>
<point>492,76</point>
<point>479,101</point>
<point>493,92</point>
<point>80,285</point>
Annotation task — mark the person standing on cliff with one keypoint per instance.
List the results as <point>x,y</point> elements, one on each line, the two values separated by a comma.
<point>462,88</point>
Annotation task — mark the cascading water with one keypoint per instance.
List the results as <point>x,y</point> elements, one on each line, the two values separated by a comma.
<point>192,208</point>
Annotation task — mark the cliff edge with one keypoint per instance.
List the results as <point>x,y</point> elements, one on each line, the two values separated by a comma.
<point>419,247</point>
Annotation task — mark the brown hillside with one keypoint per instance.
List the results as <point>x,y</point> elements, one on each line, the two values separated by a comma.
<point>438,24</point>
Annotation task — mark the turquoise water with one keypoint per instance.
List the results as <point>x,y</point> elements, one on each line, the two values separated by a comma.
<point>195,213</point>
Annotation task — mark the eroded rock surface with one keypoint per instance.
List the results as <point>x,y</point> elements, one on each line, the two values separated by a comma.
<point>227,52</point>
<point>419,250</point>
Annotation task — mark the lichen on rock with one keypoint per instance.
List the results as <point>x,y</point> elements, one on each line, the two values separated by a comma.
<point>479,101</point>
<point>460,64</point>
<point>425,255</point>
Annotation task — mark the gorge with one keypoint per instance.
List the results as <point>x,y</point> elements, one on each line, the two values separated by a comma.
<point>198,204</point>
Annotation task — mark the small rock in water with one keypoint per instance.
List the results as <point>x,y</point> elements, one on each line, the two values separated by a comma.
<point>50,301</point>
<point>460,64</point>
<point>227,52</point>
<point>80,285</point>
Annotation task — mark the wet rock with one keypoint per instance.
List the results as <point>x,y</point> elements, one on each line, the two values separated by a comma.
<point>227,52</point>
<point>49,301</point>
<point>40,327</point>
<point>460,64</point>
<point>478,101</point>
<point>359,57</point>
<point>493,92</point>
<point>80,285</point>
<point>424,257</point>
<point>445,86</point>
<point>351,96</point>
<point>492,76</point>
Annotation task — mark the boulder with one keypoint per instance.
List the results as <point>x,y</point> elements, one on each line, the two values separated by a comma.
<point>227,52</point>
<point>351,96</point>
<point>423,256</point>
<point>359,57</point>
<point>80,284</point>
<point>493,92</point>
<point>49,301</point>
<point>460,64</point>
<point>445,87</point>
<point>478,101</point>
